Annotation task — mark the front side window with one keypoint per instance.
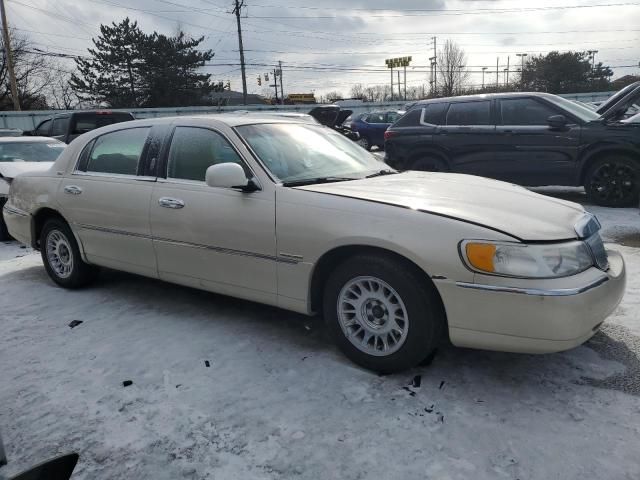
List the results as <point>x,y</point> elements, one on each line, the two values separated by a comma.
<point>30,151</point>
<point>194,149</point>
<point>118,152</point>
<point>296,152</point>
<point>469,113</point>
<point>43,128</point>
<point>376,118</point>
<point>524,111</point>
<point>60,126</point>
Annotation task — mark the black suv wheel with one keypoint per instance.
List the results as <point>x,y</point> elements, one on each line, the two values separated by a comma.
<point>613,181</point>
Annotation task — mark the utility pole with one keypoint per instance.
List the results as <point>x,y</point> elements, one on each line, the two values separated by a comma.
<point>275,83</point>
<point>281,87</point>
<point>497,73</point>
<point>435,65</point>
<point>236,10</point>
<point>7,51</point>
<point>521,55</point>
<point>483,70</point>
<point>506,82</point>
<point>399,94</point>
<point>405,82</point>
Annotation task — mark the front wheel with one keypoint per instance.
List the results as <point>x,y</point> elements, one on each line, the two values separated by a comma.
<point>613,182</point>
<point>61,256</point>
<point>383,315</point>
<point>429,164</point>
<point>364,143</point>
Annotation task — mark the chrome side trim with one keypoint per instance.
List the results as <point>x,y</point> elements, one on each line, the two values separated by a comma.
<point>15,211</point>
<point>537,292</point>
<point>228,251</point>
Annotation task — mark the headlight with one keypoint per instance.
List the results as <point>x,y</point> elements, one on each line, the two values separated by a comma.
<point>529,261</point>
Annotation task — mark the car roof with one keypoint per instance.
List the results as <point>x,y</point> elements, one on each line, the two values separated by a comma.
<point>27,139</point>
<point>229,119</point>
<point>483,96</point>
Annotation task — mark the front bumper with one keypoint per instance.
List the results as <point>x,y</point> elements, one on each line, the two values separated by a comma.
<point>532,316</point>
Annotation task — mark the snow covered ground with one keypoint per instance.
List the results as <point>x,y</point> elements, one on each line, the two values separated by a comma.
<point>227,389</point>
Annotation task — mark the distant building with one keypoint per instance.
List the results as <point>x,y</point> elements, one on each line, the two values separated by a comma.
<point>230,97</point>
<point>300,98</point>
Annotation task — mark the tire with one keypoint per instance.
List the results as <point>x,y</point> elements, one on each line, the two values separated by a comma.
<point>61,256</point>
<point>387,284</point>
<point>364,143</point>
<point>613,181</point>
<point>4,233</point>
<point>429,164</point>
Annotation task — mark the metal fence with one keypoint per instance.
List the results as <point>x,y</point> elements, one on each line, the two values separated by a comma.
<point>30,119</point>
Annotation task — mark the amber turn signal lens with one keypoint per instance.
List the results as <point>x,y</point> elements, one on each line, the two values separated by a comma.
<point>481,255</point>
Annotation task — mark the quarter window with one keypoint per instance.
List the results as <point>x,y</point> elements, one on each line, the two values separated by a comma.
<point>43,128</point>
<point>433,113</point>
<point>60,126</point>
<point>194,149</point>
<point>118,152</point>
<point>469,113</point>
<point>524,111</point>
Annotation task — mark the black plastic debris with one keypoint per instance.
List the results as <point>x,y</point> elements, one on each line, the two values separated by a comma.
<point>417,381</point>
<point>126,383</point>
<point>74,323</point>
<point>178,385</point>
<point>441,385</point>
<point>207,364</point>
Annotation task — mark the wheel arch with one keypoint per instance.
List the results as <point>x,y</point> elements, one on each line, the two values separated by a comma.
<point>597,153</point>
<point>432,151</point>
<point>38,220</point>
<point>332,258</point>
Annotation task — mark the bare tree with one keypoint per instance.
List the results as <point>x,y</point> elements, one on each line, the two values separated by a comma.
<point>357,91</point>
<point>333,96</point>
<point>60,94</point>
<point>33,75</point>
<point>452,72</point>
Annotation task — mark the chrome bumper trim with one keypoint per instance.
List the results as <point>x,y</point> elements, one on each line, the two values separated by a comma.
<point>555,292</point>
<point>15,211</point>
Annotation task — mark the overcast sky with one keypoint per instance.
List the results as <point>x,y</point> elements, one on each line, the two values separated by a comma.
<point>319,42</point>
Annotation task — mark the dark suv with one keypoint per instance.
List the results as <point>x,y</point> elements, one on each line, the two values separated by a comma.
<point>69,125</point>
<point>525,138</point>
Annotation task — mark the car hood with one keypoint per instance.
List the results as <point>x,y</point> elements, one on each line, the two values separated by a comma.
<point>500,206</point>
<point>9,170</point>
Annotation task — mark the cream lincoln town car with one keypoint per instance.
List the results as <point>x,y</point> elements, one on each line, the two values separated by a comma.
<point>292,214</point>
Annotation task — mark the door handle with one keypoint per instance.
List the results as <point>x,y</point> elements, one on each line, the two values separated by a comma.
<point>170,202</point>
<point>73,190</point>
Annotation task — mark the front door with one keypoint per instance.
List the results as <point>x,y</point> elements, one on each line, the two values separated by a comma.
<point>106,198</point>
<point>532,152</point>
<point>221,239</point>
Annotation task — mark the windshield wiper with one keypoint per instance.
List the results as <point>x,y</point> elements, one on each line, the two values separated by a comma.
<point>381,173</point>
<point>313,181</point>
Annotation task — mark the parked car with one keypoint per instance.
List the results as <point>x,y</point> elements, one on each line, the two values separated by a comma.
<point>372,125</point>
<point>524,138</point>
<point>69,125</point>
<point>23,154</point>
<point>294,215</point>
<point>333,117</point>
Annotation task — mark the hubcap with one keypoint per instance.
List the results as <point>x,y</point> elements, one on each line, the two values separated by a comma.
<point>372,316</point>
<point>59,253</point>
<point>615,182</point>
<point>363,142</point>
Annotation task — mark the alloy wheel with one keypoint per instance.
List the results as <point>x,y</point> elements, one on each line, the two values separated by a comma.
<point>614,182</point>
<point>59,253</point>
<point>372,316</point>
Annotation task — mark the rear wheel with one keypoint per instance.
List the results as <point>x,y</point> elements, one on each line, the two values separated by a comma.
<point>364,143</point>
<point>383,316</point>
<point>613,181</point>
<point>61,256</point>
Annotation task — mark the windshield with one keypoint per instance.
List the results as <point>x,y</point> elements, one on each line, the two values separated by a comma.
<point>294,152</point>
<point>30,151</point>
<point>582,112</point>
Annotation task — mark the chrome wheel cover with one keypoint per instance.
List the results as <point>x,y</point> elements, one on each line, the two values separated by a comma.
<point>59,253</point>
<point>372,316</point>
<point>363,142</point>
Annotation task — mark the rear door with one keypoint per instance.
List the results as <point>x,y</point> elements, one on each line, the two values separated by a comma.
<point>60,127</point>
<point>376,126</point>
<point>532,152</point>
<point>107,198</point>
<point>468,136</point>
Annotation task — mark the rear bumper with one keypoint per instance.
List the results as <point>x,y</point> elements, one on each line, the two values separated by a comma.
<point>533,316</point>
<point>18,223</point>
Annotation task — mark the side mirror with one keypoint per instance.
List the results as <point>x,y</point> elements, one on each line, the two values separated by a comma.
<point>228,175</point>
<point>557,121</point>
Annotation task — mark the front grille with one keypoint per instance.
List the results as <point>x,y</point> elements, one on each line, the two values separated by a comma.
<point>597,250</point>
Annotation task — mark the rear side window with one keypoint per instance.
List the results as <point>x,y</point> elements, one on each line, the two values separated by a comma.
<point>118,152</point>
<point>43,128</point>
<point>194,149</point>
<point>60,126</point>
<point>376,118</point>
<point>469,113</point>
<point>393,117</point>
<point>409,119</point>
<point>524,111</point>
<point>85,122</point>
<point>433,113</point>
